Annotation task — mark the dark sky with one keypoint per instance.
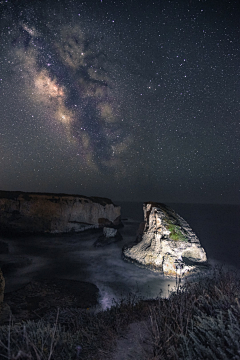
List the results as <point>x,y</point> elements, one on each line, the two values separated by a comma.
<point>131,100</point>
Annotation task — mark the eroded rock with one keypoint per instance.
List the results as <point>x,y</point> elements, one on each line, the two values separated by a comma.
<point>109,236</point>
<point>109,232</point>
<point>22,212</point>
<point>166,243</point>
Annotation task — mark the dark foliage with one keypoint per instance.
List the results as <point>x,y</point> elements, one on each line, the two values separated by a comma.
<point>200,320</point>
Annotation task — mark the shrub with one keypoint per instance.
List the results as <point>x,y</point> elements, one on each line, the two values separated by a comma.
<point>198,321</point>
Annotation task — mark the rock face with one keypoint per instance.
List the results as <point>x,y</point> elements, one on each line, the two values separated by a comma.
<point>22,212</point>
<point>166,243</point>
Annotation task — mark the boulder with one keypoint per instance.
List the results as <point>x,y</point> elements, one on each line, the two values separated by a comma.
<point>109,232</point>
<point>22,212</point>
<point>165,243</point>
<point>109,236</point>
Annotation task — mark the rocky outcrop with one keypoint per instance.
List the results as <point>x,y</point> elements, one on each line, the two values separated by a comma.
<point>166,243</point>
<point>109,232</point>
<point>109,236</point>
<point>22,212</point>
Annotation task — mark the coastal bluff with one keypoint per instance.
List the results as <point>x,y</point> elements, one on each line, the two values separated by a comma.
<point>29,212</point>
<point>165,243</point>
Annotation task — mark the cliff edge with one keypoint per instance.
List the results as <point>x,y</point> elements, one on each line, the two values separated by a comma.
<point>165,242</point>
<point>23,212</point>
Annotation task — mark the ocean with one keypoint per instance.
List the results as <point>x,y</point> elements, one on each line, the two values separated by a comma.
<point>74,257</point>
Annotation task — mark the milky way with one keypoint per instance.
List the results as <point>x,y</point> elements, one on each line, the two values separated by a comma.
<point>132,100</point>
<point>68,76</point>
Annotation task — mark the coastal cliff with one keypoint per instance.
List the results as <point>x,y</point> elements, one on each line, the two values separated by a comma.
<point>22,212</point>
<point>165,242</point>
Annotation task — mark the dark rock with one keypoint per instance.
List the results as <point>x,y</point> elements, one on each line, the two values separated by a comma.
<point>5,311</point>
<point>38,297</point>
<point>104,241</point>
<point>109,232</point>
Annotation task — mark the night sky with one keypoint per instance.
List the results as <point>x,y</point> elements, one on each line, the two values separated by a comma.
<point>131,100</point>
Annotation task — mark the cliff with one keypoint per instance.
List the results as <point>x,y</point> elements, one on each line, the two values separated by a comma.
<point>22,212</point>
<point>166,243</point>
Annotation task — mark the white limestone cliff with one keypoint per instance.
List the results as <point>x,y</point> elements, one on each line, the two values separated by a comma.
<point>55,213</point>
<point>167,243</point>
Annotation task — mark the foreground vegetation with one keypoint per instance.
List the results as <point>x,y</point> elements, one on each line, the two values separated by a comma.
<point>200,320</point>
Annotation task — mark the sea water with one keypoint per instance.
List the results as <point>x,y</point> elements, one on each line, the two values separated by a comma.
<point>75,257</point>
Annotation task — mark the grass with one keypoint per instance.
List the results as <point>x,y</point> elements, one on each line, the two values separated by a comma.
<point>200,320</point>
<point>70,333</point>
<point>176,233</point>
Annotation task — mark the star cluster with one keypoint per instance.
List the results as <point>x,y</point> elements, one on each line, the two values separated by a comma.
<point>131,100</point>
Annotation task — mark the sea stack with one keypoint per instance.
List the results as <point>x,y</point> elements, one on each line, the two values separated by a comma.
<point>165,243</point>
<point>23,212</point>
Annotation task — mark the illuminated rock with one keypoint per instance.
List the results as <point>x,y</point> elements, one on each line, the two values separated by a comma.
<point>166,242</point>
<point>22,212</point>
